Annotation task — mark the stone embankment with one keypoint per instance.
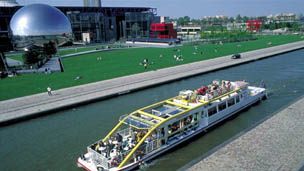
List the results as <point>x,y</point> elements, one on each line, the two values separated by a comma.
<point>275,144</point>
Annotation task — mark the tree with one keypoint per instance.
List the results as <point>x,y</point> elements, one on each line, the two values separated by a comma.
<point>50,48</point>
<point>183,20</point>
<point>31,56</point>
<point>238,18</point>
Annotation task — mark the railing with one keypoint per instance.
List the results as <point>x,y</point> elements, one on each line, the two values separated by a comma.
<point>124,132</point>
<point>99,159</point>
<point>152,145</point>
<point>122,117</point>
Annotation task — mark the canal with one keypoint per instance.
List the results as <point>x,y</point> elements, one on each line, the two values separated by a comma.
<point>54,142</point>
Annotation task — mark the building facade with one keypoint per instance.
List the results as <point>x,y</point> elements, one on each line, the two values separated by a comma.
<point>189,32</point>
<point>253,25</point>
<point>137,24</point>
<point>162,31</point>
<point>96,24</point>
<point>236,26</point>
<point>283,17</point>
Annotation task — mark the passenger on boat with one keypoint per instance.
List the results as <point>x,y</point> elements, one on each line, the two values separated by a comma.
<point>102,147</point>
<point>113,153</point>
<point>114,160</point>
<point>118,138</point>
<point>193,96</point>
<point>187,120</point>
<point>109,147</point>
<point>202,90</point>
<point>174,128</point>
<point>140,135</point>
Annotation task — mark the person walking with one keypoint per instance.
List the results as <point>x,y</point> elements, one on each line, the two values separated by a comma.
<point>49,90</point>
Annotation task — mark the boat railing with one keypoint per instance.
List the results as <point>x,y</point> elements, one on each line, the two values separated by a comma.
<point>99,159</point>
<point>125,132</point>
<point>152,145</point>
<point>122,117</point>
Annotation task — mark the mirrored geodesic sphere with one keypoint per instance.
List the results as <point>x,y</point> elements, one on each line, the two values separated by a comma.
<point>38,24</point>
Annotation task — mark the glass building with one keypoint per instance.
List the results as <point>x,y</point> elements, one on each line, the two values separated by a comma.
<point>93,24</point>
<point>138,24</point>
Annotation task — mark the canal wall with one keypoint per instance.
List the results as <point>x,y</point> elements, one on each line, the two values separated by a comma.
<point>35,105</point>
<point>275,144</point>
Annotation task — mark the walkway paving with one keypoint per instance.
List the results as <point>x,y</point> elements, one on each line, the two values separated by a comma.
<point>38,103</point>
<point>276,144</point>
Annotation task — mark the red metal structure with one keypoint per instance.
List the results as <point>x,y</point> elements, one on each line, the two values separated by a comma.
<point>162,31</point>
<point>253,25</point>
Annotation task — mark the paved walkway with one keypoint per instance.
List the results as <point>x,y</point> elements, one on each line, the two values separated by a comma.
<point>276,144</point>
<point>38,103</point>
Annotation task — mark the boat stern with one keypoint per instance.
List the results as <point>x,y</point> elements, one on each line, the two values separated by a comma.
<point>258,92</point>
<point>86,165</point>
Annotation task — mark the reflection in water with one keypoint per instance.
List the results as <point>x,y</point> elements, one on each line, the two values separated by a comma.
<point>54,142</point>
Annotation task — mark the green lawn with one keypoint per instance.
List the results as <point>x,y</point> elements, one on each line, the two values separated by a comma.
<point>61,52</point>
<point>67,51</point>
<point>17,56</point>
<point>125,62</point>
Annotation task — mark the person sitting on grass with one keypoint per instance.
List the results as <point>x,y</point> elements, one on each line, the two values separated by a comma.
<point>179,58</point>
<point>145,63</point>
<point>269,43</point>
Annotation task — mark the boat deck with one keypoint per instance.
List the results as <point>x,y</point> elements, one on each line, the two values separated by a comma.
<point>150,116</point>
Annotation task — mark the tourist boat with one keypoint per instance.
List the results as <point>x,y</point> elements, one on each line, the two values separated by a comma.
<point>146,133</point>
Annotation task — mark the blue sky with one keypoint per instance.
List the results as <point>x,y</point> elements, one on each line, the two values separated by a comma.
<point>197,8</point>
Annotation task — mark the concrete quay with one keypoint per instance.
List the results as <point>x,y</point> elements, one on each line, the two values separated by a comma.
<point>276,144</point>
<point>33,105</point>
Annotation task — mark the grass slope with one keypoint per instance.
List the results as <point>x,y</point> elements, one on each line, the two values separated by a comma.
<point>125,62</point>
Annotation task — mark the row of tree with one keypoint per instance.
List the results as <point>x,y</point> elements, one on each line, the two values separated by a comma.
<point>218,23</point>
<point>228,36</point>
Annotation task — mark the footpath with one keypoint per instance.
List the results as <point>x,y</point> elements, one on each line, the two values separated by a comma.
<point>33,105</point>
<point>276,144</point>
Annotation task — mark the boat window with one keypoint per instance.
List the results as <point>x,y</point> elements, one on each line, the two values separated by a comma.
<point>195,117</point>
<point>174,127</point>
<point>212,111</point>
<point>162,132</point>
<point>237,99</point>
<point>230,102</point>
<point>187,120</point>
<point>222,106</point>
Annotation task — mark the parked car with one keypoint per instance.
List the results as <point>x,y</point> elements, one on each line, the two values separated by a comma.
<point>236,56</point>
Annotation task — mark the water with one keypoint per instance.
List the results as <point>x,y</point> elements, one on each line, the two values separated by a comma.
<point>55,141</point>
